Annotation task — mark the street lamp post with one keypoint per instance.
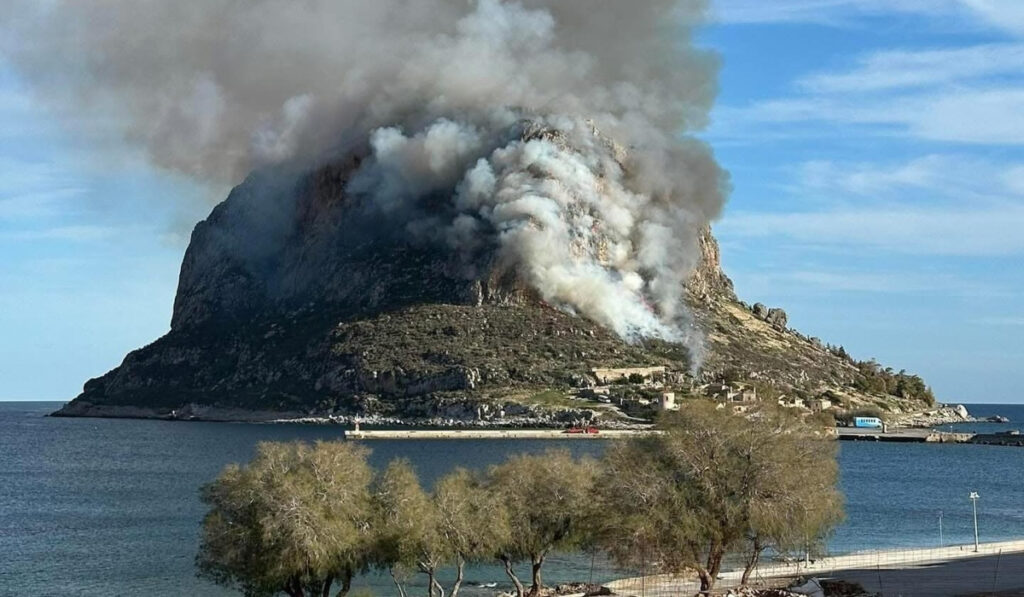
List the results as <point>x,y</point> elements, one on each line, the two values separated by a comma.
<point>974,501</point>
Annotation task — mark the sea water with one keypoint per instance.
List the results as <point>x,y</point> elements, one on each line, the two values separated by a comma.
<point>111,507</point>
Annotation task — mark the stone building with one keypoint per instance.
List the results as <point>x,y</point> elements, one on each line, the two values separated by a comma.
<point>649,374</point>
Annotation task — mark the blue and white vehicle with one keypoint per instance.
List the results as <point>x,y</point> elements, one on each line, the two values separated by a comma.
<point>867,422</point>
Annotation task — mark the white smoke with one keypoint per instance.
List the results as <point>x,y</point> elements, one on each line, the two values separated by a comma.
<point>487,122</point>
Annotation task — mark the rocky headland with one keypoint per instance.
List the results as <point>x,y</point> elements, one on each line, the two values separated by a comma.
<point>295,302</point>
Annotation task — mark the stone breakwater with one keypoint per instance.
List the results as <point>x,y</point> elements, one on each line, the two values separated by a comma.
<point>434,434</point>
<point>512,416</point>
<point>943,415</point>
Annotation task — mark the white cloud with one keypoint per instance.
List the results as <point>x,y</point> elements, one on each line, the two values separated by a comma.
<point>821,11</point>
<point>987,232</point>
<point>1013,179</point>
<point>965,94</point>
<point>958,177</point>
<point>854,281</point>
<point>993,116</point>
<point>77,234</point>
<point>1010,321</point>
<point>899,69</point>
<point>1007,15</point>
<point>41,204</point>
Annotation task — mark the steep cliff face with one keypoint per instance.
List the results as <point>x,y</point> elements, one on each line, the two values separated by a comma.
<point>293,300</point>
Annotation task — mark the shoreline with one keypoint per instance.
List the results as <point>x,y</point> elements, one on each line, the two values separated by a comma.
<point>830,566</point>
<point>462,434</point>
<point>406,428</point>
<point>523,427</point>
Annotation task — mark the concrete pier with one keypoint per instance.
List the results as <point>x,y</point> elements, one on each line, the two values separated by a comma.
<point>549,434</point>
<point>903,435</point>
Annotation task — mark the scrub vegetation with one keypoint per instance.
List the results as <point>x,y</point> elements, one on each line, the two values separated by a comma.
<point>306,519</point>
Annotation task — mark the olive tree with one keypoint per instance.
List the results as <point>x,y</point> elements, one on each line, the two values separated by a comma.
<point>471,520</point>
<point>295,519</point>
<point>710,484</point>
<point>546,497</point>
<point>461,522</point>
<point>407,538</point>
<point>794,503</point>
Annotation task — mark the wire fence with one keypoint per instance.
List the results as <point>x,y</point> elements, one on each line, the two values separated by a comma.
<point>914,572</point>
<point>923,572</point>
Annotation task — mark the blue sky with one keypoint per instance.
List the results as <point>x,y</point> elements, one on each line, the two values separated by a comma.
<point>876,149</point>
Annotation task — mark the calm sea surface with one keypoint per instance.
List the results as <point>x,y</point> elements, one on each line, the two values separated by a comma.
<point>110,507</point>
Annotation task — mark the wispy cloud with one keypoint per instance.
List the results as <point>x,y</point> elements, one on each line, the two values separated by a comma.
<point>942,232</point>
<point>970,116</point>
<point>968,94</point>
<point>959,177</point>
<point>1010,321</point>
<point>901,69</point>
<point>1007,15</point>
<point>825,12</point>
<point>77,234</point>
<point>846,281</point>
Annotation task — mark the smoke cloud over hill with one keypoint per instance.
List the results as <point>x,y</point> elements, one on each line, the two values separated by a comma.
<point>544,136</point>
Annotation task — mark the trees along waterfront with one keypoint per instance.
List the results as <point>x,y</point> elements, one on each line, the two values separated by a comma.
<point>461,522</point>
<point>547,498</point>
<point>714,484</point>
<point>301,518</point>
<point>294,520</point>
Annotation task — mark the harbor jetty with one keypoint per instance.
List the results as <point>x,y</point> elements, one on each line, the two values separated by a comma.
<point>930,436</point>
<point>897,435</point>
<point>902,434</point>
<point>549,434</point>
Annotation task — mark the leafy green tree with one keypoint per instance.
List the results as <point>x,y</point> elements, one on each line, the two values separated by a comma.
<point>407,539</point>
<point>793,503</point>
<point>295,519</point>
<point>546,497</point>
<point>463,521</point>
<point>711,484</point>
<point>472,520</point>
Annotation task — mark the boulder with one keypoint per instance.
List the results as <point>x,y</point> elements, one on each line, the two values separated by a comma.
<point>777,318</point>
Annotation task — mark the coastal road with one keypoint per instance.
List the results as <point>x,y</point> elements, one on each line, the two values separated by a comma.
<point>931,572</point>
<point>972,576</point>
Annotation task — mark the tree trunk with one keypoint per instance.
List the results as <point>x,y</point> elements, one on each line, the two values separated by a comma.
<point>751,562</point>
<point>294,587</point>
<point>346,582</point>
<point>715,554</point>
<point>460,568</point>
<point>398,585</point>
<point>520,591</point>
<point>538,584</point>
<point>707,582</point>
<point>430,582</point>
<point>325,590</point>
<point>440,589</point>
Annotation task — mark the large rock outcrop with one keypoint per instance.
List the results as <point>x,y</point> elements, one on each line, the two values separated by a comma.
<point>293,301</point>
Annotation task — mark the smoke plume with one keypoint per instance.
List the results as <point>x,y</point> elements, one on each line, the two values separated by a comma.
<point>551,134</point>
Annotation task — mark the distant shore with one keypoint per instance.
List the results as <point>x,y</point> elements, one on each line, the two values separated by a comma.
<point>523,427</point>
<point>519,427</point>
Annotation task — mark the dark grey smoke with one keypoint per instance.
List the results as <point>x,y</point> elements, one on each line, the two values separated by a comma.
<point>216,88</point>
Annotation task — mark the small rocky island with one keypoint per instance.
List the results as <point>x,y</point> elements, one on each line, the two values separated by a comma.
<point>293,304</point>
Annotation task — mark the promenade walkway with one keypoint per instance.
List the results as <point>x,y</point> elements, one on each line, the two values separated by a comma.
<point>926,572</point>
